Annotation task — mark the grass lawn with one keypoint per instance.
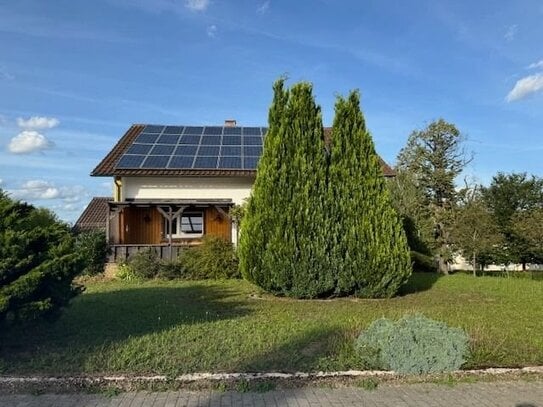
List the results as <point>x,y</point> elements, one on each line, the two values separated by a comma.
<point>172,327</point>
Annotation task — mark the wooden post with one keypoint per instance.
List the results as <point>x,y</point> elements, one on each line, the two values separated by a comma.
<point>170,216</point>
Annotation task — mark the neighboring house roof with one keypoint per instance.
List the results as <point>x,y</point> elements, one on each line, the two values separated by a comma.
<point>152,150</point>
<point>94,215</point>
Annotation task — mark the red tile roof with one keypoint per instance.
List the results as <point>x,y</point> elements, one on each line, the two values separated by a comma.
<point>107,166</point>
<point>94,215</point>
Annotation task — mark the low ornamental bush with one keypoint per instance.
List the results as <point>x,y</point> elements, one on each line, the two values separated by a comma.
<point>215,258</point>
<point>144,264</point>
<point>412,345</point>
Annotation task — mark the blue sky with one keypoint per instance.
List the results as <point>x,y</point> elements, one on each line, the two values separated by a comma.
<point>74,75</point>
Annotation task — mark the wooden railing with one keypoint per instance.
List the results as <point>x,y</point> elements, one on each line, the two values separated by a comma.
<point>121,252</point>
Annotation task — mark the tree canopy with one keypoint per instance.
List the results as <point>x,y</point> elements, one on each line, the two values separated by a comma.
<point>37,262</point>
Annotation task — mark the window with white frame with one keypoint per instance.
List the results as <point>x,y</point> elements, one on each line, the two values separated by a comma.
<point>188,224</point>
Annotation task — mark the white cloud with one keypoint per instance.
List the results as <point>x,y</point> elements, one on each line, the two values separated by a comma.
<point>41,189</point>
<point>212,31</point>
<point>526,86</point>
<point>36,189</point>
<point>38,122</point>
<point>1,181</point>
<point>264,7</point>
<point>29,141</point>
<point>536,65</point>
<point>511,33</point>
<point>197,5</point>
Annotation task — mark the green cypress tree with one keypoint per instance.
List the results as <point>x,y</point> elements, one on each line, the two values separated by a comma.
<point>368,249</point>
<point>283,242</point>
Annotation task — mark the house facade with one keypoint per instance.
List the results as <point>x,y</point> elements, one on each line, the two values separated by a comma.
<point>173,185</point>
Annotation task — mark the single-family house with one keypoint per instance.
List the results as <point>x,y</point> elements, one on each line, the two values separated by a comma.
<point>172,185</point>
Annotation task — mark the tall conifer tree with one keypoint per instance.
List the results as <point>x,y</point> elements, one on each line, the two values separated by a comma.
<point>368,249</point>
<point>283,244</point>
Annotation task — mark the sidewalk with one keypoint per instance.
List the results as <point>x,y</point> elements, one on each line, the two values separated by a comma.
<point>495,394</point>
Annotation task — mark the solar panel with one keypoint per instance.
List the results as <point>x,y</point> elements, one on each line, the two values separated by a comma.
<point>139,149</point>
<point>205,162</point>
<point>162,149</point>
<point>168,139</point>
<point>251,131</point>
<point>156,161</point>
<point>211,140</point>
<point>186,150</point>
<point>213,130</point>
<point>189,139</point>
<point>181,161</point>
<point>232,130</point>
<point>209,150</point>
<point>252,141</point>
<point>231,140</point>
<point>146,138</point>
<point>153,129</point>
<point>250,163</point>
<point>252,151</point>
<point>130,161</point>
<point>173,130</point>
<point>193,130</point>
<point>231,150</point>
<point>230,162</point>
<point>195,147</point>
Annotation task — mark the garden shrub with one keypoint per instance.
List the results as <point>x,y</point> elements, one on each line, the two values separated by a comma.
<point>125,273</point>
<point>213,258</point>
<point>144,264</point>
<point>94,249</point>
<point>412,345</point>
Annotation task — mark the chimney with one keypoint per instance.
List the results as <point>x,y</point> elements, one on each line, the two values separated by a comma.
<point>230,123</point>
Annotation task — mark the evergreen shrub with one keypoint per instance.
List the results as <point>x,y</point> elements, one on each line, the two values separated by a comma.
<point>38,262</point>
<point>320,221</point>
<point>412,345</point>
<point>94,249</point>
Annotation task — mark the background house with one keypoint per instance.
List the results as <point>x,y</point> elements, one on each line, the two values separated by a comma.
<point>174,184</point>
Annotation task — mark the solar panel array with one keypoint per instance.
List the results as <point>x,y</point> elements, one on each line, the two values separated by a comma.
<point>194,147</point>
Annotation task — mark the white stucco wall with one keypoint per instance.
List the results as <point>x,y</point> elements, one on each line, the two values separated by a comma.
<point>234,188</point>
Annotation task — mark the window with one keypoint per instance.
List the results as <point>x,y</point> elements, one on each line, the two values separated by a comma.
<point>188,224</point>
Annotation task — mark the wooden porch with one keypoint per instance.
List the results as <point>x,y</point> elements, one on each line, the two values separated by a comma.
<point>164,226</point>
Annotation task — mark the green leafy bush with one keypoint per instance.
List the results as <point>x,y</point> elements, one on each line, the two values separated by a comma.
<point>214,258</point>
<point>144,264</point>
<point>94,249</point>
<point>38,262</point>
<point>414,344</point>
<point>423,263</point>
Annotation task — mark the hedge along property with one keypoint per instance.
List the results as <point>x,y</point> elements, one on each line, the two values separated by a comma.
<point>172,185</point>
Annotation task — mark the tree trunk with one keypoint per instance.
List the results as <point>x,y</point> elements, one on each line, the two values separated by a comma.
<point>442,265</point>
<point>474,264</point>
<point>523,266</point>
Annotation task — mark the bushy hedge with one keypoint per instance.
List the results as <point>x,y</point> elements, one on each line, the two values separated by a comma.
<point>94,249</point>
<point>214,258</point>
<point>38,262</point>
<point>413,345</point>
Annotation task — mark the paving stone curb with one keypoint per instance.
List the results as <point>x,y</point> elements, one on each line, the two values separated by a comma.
<point>47,383</point>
